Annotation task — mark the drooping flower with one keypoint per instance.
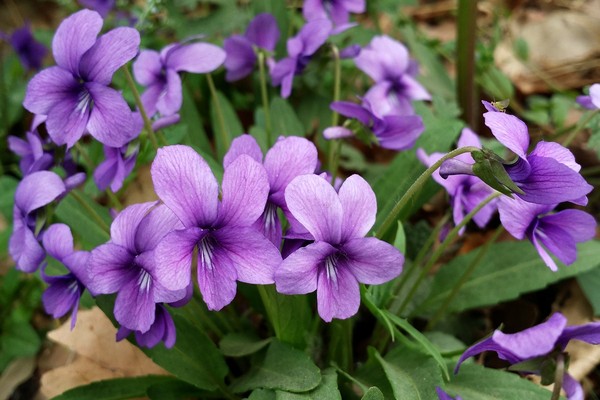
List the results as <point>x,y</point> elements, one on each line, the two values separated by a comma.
<point>395,132</point>
<point>466,191</point>
<point>31,151</point>
<point>336,10</point>
<point>30,51</point>
<point>116,166</point>
<point>75,94</point>
<point>64,291</point>
<point>162,330</point>
<point>288,158</point>
<point>341,256</point>
<point>159,72</point>
<point>300,49</point>
<point>591,101</point>
<point>445,396</point>
<point>387,62</point>
<point>556,233</point>
<point>126,264</point>
<point>35,191</point>
<point>228,247</point>
<point>103,7</point>
<point>539,342</point>
<point>263,33</point>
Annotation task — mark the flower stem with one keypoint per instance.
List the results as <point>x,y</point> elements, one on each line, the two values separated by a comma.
<point>439,251</point>
<point>219,111</point>
<point>140,106</point>
<point>90,211</point>
<point>336,144</point>
<point>465,58</point>
<point>579,127</point>
<point>558,376</point>
<point>90,165</point>
<point>393,215</point>
<point>463,279</point>
<point>265,96</point>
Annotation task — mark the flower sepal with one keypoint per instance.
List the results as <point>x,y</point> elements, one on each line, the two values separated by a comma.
<point>489,167</point>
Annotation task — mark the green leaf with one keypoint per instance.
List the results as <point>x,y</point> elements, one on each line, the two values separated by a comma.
<point>474,382</point>
<point>374,393</point>
<point>284,119</point>
<point>114,389</point>
<point>262,394</point>
<point>521,49</point>
<point>233,126</point>
<point>192,121</point>
<point>283,368</point>
<point>400,241</point>
<point>516,264</point>
<point>590,282</point>
<point>327,389</point>
<point>241,344</point>
<point>72,213</point>
<point>8,185</point>
<point>173,390</point>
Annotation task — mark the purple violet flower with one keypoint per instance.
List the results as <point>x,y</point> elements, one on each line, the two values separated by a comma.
<point>229,248</point>
<point>30,51</point>
<point>387,62</point>
<point>300,49</point>
<point>162,330</point>
<point>64,292</point>
<point>103,7</point>
<point>75,94</point>
<point>336,10</point>
<point>263,33</point>
<point>591,101</point>
<point>395,132</point>
<point>287,159</point>
<point>445,396</point>
<point>34,192</point>
<point>115,168</point>
<point>556,233</point>
<point>159,72</point>
<point>31,150</point>
<point>538,341</point>
<point>126,264</point>
<point>466,191</point>
<point>341,256</point>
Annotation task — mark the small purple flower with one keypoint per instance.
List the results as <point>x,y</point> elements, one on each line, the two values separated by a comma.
<point>336,10</point>
<point>556,233</point>
<point>241,56</point>
<point>300,49</point>
<point>159,72</point>
<point>30,51</point>
<point>538,341</point>
<point>351,51</point>
<point>103,7</point>
<point>466,191</point>
<point>287,159</point>
<point>387,62</point>
<point>75,94</point>
<point>116,166</point>
<point>126,264</point>
<point>395,132</point>
<point>162,330</point>
<point>229,248</point>
<point>64,292</point>
<point>445,396</point>
<point>341,256</point>
<point>34,192</point>
<point>31,150</point>
<point>591,101</point>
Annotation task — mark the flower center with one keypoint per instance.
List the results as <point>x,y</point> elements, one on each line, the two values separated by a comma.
<point>331,268</point>
<point>144,280</point>
<point>84,102</point>
<point>206,252</point>
<point>270,216</point>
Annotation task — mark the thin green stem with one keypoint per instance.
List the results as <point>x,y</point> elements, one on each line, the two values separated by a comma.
<point>463,279</point>
<point>558,376</point>
<point>335,149</point>
<point>218,110</point>
<point>116,203</point>
<point>265,96</point>
<point>440,250</point>
<point>393,215</point>
<point>336,144</point>
<point>90,211</point>
<point>465,60</point>
<point>140,106</point>
<point>579,127</point>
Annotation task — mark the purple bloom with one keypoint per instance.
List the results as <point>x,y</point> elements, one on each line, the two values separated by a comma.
<point>538,341</point>
<point>34,192</point>
<point>115,168</point>
<point>547,175</point>
<point>591,101</point>
<point>75,94</point>
<point>64,292</point>
<point>30,51</point>
<point>395,132</point>
<point>159,72</point>
<point>351,51</point>
<point>126,264</point>
<point>556,233</point>
<point>162,329</point>
<point>287,159</point>
<point>341,256</point>
<point>31,151</point>
<point>300,48</point>
<point>229,247</point>
<point>445,396</point>
<point>103,7</point>
<point>387,62</point>
<point>466,191</point>
<point>336,10</point>
<point>241,57</point>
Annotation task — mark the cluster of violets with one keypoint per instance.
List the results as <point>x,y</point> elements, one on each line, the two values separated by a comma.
<point>233,231</point>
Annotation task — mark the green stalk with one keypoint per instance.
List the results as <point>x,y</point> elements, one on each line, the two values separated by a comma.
<point>463,279</point>
<point>336,144</point>
<point>265,96</point>
<point>219,111</point>
<point>465,60</point>
<point>138,103</point>
<point>90,165</point>
<point>439,251</point>
<point>393,215</point>
<point>558,376</point>
<point>579,127</point>
<point>90,211</point>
